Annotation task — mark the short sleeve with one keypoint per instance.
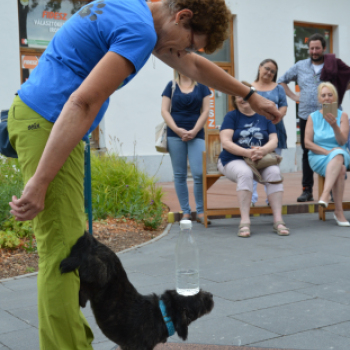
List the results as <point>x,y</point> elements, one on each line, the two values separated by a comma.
<point>290,75</point>
<point>205,91</point>
<point>282,98</point>
<point>167,90</point>
<point>229,121</point>
<point>134,41</point>
<point>271,128</point>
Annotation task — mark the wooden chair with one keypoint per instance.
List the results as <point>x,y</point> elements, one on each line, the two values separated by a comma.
<point>322,210</point>
<point>211,175</point>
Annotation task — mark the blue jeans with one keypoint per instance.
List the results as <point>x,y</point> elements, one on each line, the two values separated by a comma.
<point>179,150</point>
<point>255,184</point>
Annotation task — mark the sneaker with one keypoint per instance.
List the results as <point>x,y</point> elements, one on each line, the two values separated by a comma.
<point>305,197</point>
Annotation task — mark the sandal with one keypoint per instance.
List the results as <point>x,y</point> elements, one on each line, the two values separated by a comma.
<point>280,230</point>
<point>186,217</point>
<point>200,219</point>
<point>244,230</point>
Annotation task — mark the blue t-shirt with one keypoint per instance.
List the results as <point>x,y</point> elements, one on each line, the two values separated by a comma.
<point>186,108</point>
<point>253,130</point>
<point>278,96</point>
<point>124,27</point>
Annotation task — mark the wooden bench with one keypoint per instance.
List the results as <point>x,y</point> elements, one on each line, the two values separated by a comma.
<point>211,175</point>
<point>322,210</point>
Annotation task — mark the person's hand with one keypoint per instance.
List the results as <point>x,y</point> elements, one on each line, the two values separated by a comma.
<point>31,203</point>
<point>330,119</point>
<point>265,107</point>
<point>296,97</point>
<point>331,150</point>
<point>257,153</point>
<point>189,135</point>
<point>181,132</point>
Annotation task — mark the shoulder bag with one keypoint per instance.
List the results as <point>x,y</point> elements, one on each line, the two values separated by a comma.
<point>161,129</point>
<point>269,159</point>
<point>6,148</point>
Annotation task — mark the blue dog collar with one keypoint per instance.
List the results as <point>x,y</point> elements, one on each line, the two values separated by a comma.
<point>169,323</point>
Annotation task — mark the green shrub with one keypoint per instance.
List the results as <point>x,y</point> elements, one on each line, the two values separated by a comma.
<point>120,189</point>
<point>11,183</point>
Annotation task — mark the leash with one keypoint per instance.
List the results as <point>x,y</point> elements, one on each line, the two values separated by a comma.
<point>167,319</point>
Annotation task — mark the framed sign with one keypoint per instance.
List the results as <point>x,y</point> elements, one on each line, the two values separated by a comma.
<point>39,20</point>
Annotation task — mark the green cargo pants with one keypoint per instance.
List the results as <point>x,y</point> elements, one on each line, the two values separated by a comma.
<point>62,326</point>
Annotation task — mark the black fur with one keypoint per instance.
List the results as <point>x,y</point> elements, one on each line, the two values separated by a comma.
<point>131,320</point>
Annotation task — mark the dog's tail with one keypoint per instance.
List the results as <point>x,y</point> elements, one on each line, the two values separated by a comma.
<point>74,260</point>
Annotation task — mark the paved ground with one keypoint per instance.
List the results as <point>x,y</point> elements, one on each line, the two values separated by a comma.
<point>270,291</point>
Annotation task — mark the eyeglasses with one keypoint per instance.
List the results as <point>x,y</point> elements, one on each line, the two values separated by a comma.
<point>272,71</point>
<point>191,47</point>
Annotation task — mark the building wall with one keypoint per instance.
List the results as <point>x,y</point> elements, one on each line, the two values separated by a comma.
<point>9,46</point>
<point>261,30</point>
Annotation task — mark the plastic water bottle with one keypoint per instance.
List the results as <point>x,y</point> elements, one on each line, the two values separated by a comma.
<point>186,261</point>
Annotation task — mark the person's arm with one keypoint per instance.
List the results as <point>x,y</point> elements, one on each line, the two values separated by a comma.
<point>72,124</point>
<point>282,101</point>
<point>207,73</point>
<point>290,93</point>
<point>271,145</point>
<point>286,78</point>
<point>227,144</point>
<point>201,120</point>
<point>165,111</point>
<point>309,139</point>
<point>341,132</point>
<point>283,111</point>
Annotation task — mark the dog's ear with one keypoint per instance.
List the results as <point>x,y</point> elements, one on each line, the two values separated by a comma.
<point>182,325</point>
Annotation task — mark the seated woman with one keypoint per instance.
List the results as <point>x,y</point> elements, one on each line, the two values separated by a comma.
<point>326,137</point>
<point>242,128</point>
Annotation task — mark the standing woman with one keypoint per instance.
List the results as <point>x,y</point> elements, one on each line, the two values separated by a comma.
<point>99,50</point>
<point>185,112</point>
<point>266,86</point>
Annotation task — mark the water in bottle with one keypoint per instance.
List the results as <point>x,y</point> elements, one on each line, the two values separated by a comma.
<point>186,261</point>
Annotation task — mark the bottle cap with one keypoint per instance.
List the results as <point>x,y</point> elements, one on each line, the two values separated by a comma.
<point>185,224</point>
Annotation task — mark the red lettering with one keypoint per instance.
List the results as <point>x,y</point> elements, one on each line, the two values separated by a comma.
<point>57,15</point>
<point>50,15</point>
<point>64,16</point>
<point>44,14</point>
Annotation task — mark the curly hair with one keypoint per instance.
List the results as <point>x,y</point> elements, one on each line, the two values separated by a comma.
<point>210,17</point>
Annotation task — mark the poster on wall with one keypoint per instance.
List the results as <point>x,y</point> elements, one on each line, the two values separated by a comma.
<point>39,20</point>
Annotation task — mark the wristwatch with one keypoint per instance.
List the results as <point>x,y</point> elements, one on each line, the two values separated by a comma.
<point>251,92</point>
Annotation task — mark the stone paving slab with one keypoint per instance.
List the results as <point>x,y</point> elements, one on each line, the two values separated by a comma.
<point>297,317</point>
<point>310,340</point>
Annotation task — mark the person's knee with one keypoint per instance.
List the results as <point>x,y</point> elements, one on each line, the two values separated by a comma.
<point>339,158</point>
<point>180,176</point>
<point>198,178</point>
<point>246,175</point>
<point>274,174</point>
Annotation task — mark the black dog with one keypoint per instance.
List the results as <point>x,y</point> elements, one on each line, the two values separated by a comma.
<point>132,320</point>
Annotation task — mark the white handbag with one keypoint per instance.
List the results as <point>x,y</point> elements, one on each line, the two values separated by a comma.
<point>161,130</point>
<point>161,138</point>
